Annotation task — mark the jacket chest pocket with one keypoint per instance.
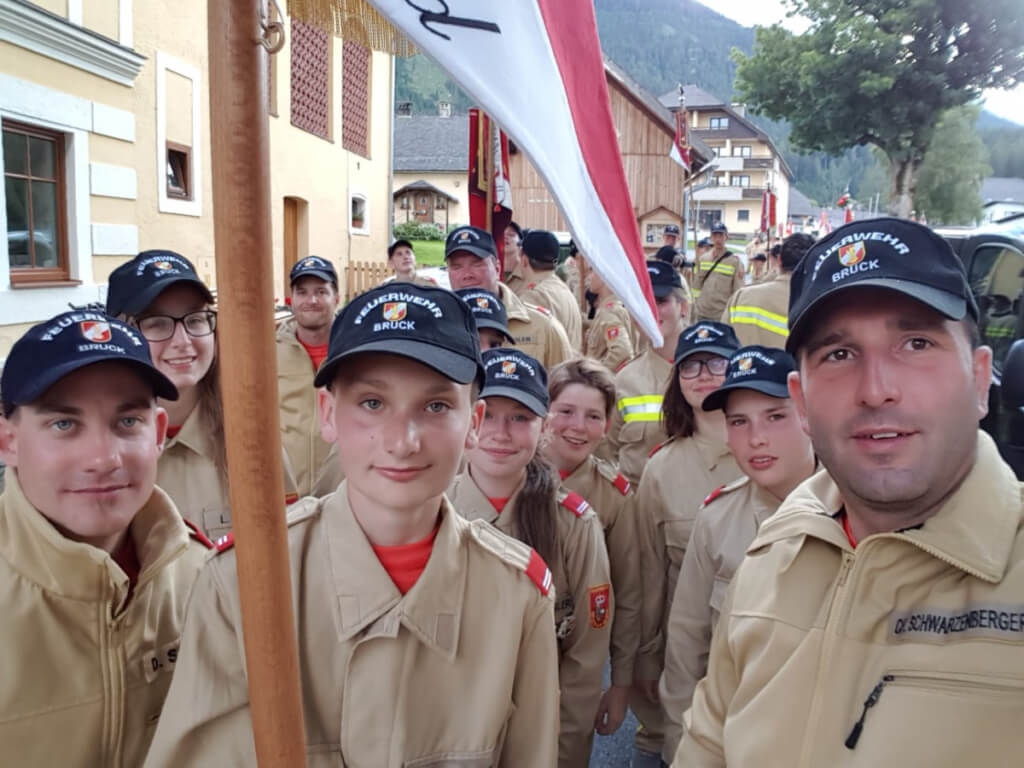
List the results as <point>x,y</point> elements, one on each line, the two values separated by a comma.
<point>939,718</point>
<point>216,522</point>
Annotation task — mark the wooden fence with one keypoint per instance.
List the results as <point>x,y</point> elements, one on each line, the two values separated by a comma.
<point>361,276</point>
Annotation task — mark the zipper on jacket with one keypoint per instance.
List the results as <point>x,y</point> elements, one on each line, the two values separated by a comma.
<point>869,702</point>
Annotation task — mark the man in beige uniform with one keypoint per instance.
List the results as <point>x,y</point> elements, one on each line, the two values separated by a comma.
<point>758,313</point>
<point>301,347</point>
<point>95,562</point>
<point>423,639</point>
<point>546,289</point>
<point>765,437</point>
<point>473,263</point>
<point>717,276</point>
<point>877,619</point>
<point>640,384</point>
<point>402,259</point>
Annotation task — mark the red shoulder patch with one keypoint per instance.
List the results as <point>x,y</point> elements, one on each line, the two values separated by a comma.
<point>622,365</point>
<point>290,498</point>
<point>539,573</point>
<point>575,503</point>
<point>610,304</point>
<point>714,494</point>
<point>195,533</point>
<point>544,311</point>
<point>224,543</point>
<point>622,484</point>
<point>600,600</point>
<point>612,333</point>
<point>531,285</point>
<point>655,449</point>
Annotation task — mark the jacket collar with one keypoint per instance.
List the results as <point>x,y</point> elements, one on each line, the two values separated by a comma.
<point>286,332</point>
<point>515,308</point>
<point>43,555</point>
<point>711,451</point>
<point>193,436</point>
<point>473,504</point>
<point>431,610</point>
<point>974,530</point>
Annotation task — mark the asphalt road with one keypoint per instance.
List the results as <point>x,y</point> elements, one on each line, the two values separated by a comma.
<point>616,750</point>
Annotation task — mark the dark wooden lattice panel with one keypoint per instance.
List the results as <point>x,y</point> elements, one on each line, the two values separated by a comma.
<point>355,98</point>
<point>310,79</point>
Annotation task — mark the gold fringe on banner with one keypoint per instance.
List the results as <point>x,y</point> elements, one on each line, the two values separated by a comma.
<point>355,20</point>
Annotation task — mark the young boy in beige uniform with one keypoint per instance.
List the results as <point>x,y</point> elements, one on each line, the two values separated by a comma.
<point>766,438</point>
<point>423,639</point>
<point>95,562</point>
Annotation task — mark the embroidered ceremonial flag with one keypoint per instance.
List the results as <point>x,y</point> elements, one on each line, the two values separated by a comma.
<point>535,67</point>
<point>680,151</point>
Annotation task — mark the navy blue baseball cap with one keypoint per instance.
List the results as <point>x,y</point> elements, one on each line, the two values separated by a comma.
<point>663,278</point>
<point>134,285</point>
<point>425,323</point>
<point>52,349</point>
<point>666,253</point>
<point>488,310</point>
<point>314,266</point>
<point>762,369</point>
<point>473,240</point>
<point>897,254</point>
<point>704,243</point>
<point>517,376</point>
<point>719,228</point>
<point>708,336</point>
<point>541,245</point>
<point>671,229</point>
<point>398,244</point>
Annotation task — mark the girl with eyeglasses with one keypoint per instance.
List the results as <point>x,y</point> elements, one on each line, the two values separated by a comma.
<point>678,476</point>
<point>160,293</point>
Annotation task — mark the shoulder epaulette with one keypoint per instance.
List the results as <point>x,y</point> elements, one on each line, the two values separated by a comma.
<point>514,552</point>
<point>624,363</point>
<point>575,503</point>
<point>224,543</point>
<point>290,498</point>
<point>531,285</point>
<point>195,533</point>
<point>655,449</point>
<point>543,310</point>
<point>714,494</point>
<point>613,476</point>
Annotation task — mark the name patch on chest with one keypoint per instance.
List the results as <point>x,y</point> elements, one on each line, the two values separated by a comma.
<point>159,661</point>
<point>1002,622</point>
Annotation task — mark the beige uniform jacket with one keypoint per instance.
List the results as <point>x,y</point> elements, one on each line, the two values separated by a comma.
<point>187,472</point>
<point>725,525</point>
<point>677,479</point>
<point>636,426</point>
<point>760,313</point>
<point>313,461</point>
<point>599,482</point>
<point>83,675</point>
<point>514,280</point>
<point>584,610</point>
<point>927,625</point>
<point>461,670</point>
<point>609,337</point>
<point>536,332</point>
<point>419,279</point>
<point>551,293</point>
<point>713,284</point>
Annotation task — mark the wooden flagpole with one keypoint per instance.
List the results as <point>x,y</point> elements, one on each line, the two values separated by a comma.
<point>240,157</point>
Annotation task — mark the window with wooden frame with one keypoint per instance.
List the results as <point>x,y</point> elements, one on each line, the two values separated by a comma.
<point>34,174</point>
<point>355,98</point>
<point>179,171</point>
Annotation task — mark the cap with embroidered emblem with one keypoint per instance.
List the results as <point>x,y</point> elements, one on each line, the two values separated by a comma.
<point>762,369</point>
<point>57,347</point>
<point>897,254</point>
<point>474,240</point>
<point>671,229</point>
<point>719,228</point>
<point>664,278</point>
<point>517,376</point>
<point>708,336</point>
<point>314,266</point>
<point>134,285</point>
<point>428,324</point>
<point>488,310</point>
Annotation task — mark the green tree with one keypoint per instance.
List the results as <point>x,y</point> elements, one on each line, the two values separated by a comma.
<point>881,72</point>
<point>949,185</point>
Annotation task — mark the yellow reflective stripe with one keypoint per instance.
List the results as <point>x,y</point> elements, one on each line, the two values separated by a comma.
<point>999,333</point>
<point>725,269</point>
<point>641,408</point>
<point>695,292</point>
<point>769,321</point>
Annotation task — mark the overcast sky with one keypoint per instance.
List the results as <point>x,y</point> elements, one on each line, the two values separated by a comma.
<point>1007,104</point>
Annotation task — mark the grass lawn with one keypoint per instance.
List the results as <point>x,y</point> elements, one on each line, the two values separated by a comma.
<point>429,253</point>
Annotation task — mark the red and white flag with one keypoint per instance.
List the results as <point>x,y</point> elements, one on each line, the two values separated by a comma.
<point>535,67</point>
<point>490,193</point>
<point>768,211</point>
<point>680,151</point>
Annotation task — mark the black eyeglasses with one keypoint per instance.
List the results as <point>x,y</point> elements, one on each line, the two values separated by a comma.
<point>690,369</point>
<point>162,327</point>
